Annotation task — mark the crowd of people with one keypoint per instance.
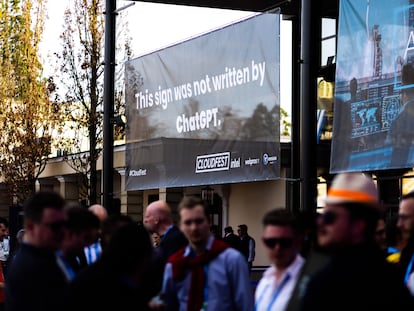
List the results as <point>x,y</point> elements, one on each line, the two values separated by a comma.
<point>75,258</point>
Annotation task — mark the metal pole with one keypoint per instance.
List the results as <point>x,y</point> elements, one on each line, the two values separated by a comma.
<point>109,94</point>
<point>310,61</point>
<point>295,184</point>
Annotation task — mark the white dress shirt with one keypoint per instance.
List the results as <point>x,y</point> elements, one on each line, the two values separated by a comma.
<point>274,296</point>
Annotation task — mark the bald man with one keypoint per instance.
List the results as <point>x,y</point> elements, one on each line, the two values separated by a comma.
<point>99,211</point>
<point>158,218</point>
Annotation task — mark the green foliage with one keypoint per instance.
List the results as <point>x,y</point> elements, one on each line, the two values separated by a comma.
<point>285,125</point>
<point>28,118</point>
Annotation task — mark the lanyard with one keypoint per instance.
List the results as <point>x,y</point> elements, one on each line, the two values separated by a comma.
<point>275,294</point>
<point>409,267</point>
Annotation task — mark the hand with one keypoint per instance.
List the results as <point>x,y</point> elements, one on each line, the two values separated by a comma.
<point>156,304</point>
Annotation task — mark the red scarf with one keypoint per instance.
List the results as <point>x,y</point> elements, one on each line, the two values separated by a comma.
<point>181,264</point>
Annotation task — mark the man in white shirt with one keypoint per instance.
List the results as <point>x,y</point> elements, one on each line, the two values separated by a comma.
<point>93,251</point>
<point>4,243</point>
<point>282,239</point>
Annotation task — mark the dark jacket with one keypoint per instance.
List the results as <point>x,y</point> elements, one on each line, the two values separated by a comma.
<point>233,240</point>
<point>171,241</point>
<point>354,278</point>
<point>35,282</point>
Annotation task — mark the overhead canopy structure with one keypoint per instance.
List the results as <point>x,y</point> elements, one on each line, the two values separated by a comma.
<point>327,8</point>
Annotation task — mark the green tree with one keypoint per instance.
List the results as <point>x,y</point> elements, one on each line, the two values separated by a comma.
<point>27,117</point>
<point>285,124</point>
<point>81,77</point>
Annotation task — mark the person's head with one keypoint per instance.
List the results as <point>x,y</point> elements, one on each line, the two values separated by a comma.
<point>129,251</point>
<point>99,211</point>
<point>405,222</point>
<point>228,230</point>
<point>281,237</point>
<point>351,212</point>
<point>215,230</point>
<point>80,230</point>
<point>44,219</point>
<point>4,228</point>
<point>20,236</point>
<point>381,234</point>
<point>407,81</point>
<point>194,221</point>
<point>242,230</point>
<point>158,217</point>
<point>156,239</point>
<point>112,225</point>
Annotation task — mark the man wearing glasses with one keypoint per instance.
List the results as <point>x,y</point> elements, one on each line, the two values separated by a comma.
<point>354,274</point>
<point>282,239</point>
<point>34,280</point>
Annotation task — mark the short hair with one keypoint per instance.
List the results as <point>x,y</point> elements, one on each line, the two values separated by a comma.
<point>189,202</point>
<point>4,221</point>
<point>80,219</point>
<point>34,207</point>
<point>243,228</point>
<point>282,217</point>
<point>407,74</point>
<point>407,78</point>
<point>129,247</point>
<point>228,229</point>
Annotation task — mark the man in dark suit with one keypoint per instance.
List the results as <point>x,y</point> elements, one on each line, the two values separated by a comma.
<point>230,238</point>
<point>158,218</point>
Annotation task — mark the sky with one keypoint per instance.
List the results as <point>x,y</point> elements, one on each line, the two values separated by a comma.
<point>154,26</point>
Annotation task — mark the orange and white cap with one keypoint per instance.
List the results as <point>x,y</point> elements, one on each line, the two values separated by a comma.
<point>352,188</point>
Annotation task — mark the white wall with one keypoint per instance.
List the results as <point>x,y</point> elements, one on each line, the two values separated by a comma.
<point>247,205</point>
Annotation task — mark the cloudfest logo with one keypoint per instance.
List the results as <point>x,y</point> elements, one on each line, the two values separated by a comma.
<point>213,162</point>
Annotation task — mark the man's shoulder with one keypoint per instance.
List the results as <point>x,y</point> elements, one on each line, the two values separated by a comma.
<point>174,238</point>
<point>232,254</point>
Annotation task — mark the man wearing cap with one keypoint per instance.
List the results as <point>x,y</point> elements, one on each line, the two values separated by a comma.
<point>350,272</point>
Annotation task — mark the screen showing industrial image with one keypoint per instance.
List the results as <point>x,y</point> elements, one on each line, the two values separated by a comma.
<point>374,92</point>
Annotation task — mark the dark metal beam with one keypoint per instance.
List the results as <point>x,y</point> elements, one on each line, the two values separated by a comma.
<point>109,95</point>
<point>310,63</point>
<point>327,8</point>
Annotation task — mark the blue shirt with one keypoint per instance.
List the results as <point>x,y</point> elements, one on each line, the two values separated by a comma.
<point>227,278</point>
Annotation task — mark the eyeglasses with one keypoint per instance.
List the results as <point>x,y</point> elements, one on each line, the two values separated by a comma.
<point>328,218</point>
<point>283,242</point>
<point>56,227</point>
